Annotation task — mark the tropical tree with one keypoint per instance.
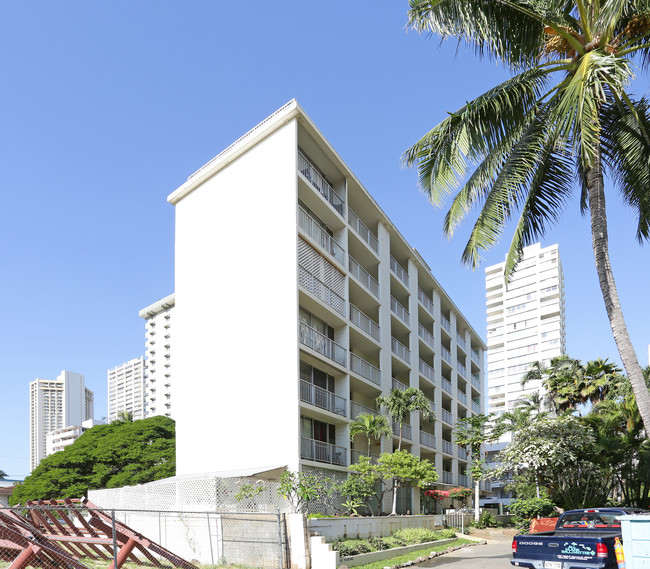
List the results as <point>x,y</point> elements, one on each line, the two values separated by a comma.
<point>371,427</point>
<point>565,116</point>
<point>400,403</point>
<point>3,475</point>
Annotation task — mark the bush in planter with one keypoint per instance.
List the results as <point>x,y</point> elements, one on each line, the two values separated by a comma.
<point>487,520</point>
<point>349,547</point>
<point>525,510</point>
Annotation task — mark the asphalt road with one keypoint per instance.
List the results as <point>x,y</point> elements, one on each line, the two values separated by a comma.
<point>493,555</point>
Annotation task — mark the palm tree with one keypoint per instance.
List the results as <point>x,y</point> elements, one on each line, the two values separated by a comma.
<point>370,426</point>
<point>400,404</point>
<point>565,116</point>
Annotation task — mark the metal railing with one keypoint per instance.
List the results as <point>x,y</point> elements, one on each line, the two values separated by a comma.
<point>426,370</point>
<point>400,272</point>
<point>364,322</point>
<point>447,417</point>
<point>365,369</point>
<point>444,322</point>
<point>447,477</point>
<point>446,385</point>
<point>426,336</point>
<point>363,276</point>
<point>463,480</point>
<point>318,181</point>
<point>476,407</point>
<point>462,397</point>
<point>445,354</point>
<point>476,381</point>
<point>407,430</point>
<point>425,301</point>
<point>476,357</point>
<point>461,342</point>
<point>314,395</point>
<point>355,454</point>
<point>357,409</point>
<point>319,451</point>
<point>322,344</point>
<point>319,289</point>
<point>400,311</point>
<point>362,230</point>
<point>397,384</point>
<point>448,447</point>
<point>461,369</point>
<point>462,453</point>
<point>400,350</point>
<point>314,229</point>
<point>427,439</point>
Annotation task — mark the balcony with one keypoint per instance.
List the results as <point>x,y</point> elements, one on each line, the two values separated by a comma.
<point>363,276</point>
<point>314,395</point>
<point>319,451</point>
<point>461,369</point>
<point>445,354</point>
<point>427,439</point>
<point>320,290</point>
<point>476,357</point>
<point>426,336</point>
<point>446,325</point>
<point>462,397</point>
<point>322,344</point>
<point>400,272</point>
<point>355,454</point>
<point>316,231</point>
<point>448,447</point>
<point>447,477</point>
<point>365,323</point>
<point>397,384</point>
<point>463,480</point>
<point>476,381</point>
<point>362,231</point>
<point>400,350</point>
<point>407,430</point>
<point>462,453</point>
<point>357,409</point>
<point>476,407</point>
<point>425,301</point>
<point>365,369</point>
<point>400,311</point>
<point>446,417</point>
<point>427,371</point>
<point>446,385</point>
<point>461,342</point>
<point>318,181</point>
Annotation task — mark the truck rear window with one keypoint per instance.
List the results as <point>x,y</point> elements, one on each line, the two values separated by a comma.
<point>590,520</point>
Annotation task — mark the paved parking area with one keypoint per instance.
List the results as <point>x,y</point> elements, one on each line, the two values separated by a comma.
<point>496,554</point>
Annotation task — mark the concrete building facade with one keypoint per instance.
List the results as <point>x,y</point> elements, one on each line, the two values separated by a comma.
<point>59,439</point>
<point>297,303</point>
<point>55,404</point>
<point>126,393</point>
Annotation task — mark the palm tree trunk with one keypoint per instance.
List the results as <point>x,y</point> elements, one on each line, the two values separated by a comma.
<point>596,190</point>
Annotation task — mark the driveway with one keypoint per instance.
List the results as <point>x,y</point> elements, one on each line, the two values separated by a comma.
<point>496,554</point>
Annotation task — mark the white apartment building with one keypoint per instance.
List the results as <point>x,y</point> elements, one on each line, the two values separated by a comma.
<point>158,357</point>
<point>525,324</point>
<point>59,439</point>
<point>126,390</point>
<point>54,405</point>
<point>298,302</point>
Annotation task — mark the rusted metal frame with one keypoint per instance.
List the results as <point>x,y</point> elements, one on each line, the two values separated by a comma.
<point>123,554</point>
<point>38,518</point>
<point>24,558</point>
<point>50,511</point>
<point>86,549</point>
<point>74,506</point>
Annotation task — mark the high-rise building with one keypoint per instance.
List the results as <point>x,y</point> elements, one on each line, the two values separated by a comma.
<point>297,303</point>
<point>59,439</point>
<point>54,405</point>
<point>158,356</point>
<point>126,392</point>
<point>525,323</point>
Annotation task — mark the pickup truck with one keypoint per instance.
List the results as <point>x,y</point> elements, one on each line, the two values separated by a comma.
<point>583,539</point>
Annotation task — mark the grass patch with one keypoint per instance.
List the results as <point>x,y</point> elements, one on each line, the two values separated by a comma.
<point>404,558</point>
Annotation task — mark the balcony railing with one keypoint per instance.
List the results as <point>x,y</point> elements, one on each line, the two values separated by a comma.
<point>427,371</point>
<point>447,477</point>
<point>447,447</point>
<point>322,344</point>
<point>425,301</point>
<point>461,369</point>
<point>400,272</point>
<point>365,369</point>
<point>355,454</point>
<point>407,431</point>
<point>314,395</point>
<point>462,397</point>
<point>476,381</point>
<point>476,407</point>
<point>461,342</point>
<point>445,354</point>
<point>312,228</point>
<point>476,357</point>
<point>363,276</point>
<point>446,417</point>
<point>319,289</point>
<point>462,453</point>
<point>397,384</point>
<point>362,230</point>
<point>400,349</point>
<point>427,337</point>
<point>446,385</point>
<point>309,171</point>
<point>364,322</point>
<point>463,480</point>
<point>400,311</point>
<point>427,439</point>
<point>357,409</point>
<point>446,325</point>
<point>319,451</point>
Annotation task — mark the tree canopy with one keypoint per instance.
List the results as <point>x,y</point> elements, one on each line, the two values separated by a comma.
<point>105,456</point>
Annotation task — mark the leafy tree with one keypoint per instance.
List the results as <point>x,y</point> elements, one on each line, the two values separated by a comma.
<point>299,489</point>
<point>565,119</point>
<point>473,433</point>
<point>106,456</point>
<point>3,475</point>
<point>401,403</point>
<point>371,427</point>
<point>361,486</point>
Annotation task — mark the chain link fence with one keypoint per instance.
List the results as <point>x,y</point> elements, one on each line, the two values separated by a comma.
<point>73,536</point>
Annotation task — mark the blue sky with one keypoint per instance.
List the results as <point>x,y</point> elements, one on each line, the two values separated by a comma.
<point>108,107</point>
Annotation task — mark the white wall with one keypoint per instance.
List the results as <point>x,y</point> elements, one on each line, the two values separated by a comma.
<point>236,314</point>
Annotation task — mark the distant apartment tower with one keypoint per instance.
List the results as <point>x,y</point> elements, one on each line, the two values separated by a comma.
<point>55,404</point>
<point>525,323</point>
<point>158,356</point>
<point>298,302</point>
<point>59,439</point>
<point>126,391</point>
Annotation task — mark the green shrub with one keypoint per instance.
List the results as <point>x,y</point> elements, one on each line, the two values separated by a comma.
<point>531,508</point>
<point>446,533</point>
<point>352,547</point>
<point>487,520</point>
<point>416,535</point>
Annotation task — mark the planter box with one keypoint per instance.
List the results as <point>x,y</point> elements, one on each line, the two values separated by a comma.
<point>365,527</point>
<point>364,558</point>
